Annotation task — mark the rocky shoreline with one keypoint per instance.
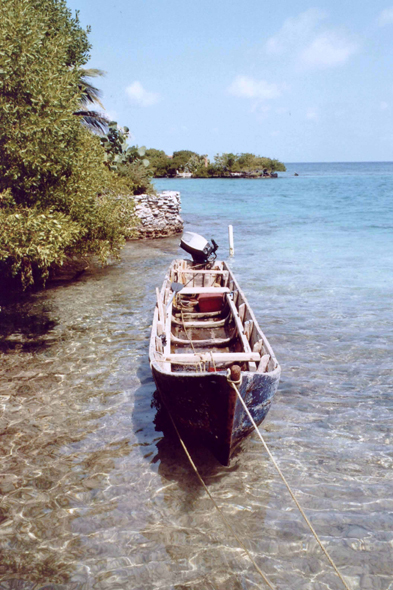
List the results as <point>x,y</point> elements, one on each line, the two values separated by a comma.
<point>158,214</point>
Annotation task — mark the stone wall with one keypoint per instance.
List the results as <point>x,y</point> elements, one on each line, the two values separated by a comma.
<point>159,215</point>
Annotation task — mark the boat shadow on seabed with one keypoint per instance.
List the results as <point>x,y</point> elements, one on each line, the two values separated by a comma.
<point>181,503</point>
<point>170,457</point>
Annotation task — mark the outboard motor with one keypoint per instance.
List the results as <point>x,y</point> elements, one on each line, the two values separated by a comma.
<point>199,248</point>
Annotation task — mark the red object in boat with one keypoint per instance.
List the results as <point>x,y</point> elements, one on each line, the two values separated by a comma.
<point>210,302</point>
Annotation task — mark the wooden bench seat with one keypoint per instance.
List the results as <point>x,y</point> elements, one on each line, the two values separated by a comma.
<point>206,342</point>
<point>218,357</point>
<point>198,290</point>
<point>201,323</point>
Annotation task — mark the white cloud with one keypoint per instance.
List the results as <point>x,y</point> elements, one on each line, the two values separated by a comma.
<point>385,17</point>
<point>246,87</point>
<point>295,30</point>
<point>310,43</point>
<point>328,50</point>
<point>384,106</point>
<point>312,115</point>
<point>141,97</point>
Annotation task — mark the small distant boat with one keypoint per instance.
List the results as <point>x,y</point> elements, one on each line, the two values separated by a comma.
<point>203,326</point>
<point>183,174</point>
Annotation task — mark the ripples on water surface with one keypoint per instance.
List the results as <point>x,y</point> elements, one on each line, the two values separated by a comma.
<point>94,497</point>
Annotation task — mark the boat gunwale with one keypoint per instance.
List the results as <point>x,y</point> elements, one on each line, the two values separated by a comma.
<point>157,363</point>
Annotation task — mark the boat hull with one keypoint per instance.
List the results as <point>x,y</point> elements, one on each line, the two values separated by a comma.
<point>206,406</point>
<point>190,363</point>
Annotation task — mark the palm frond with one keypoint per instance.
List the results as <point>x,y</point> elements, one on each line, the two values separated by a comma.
<point>94,120</point>
<point>90,94</point>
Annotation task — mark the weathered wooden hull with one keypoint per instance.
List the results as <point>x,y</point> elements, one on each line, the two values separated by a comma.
<point>206,406</point>
<point>201,401</point>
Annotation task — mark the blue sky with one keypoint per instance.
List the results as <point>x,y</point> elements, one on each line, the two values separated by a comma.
<point>297,81</point>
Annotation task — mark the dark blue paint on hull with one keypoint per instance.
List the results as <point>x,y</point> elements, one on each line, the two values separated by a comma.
<point>206,406</point>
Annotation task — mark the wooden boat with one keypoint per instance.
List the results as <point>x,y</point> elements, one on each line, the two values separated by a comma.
<point>196,337</point>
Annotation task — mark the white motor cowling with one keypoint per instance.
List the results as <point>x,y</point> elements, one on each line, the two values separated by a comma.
<point>199,248</point>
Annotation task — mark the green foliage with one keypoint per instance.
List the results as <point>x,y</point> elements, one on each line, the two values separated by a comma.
<point>32,240</point>
<point>202,171</point>
<point>38,94</point>
<point>277,166</point>
<point>138,177</point>
<point>117,151</point>
<point>128,162</point>
<point>194,163</point>
<point>57,196</point>
<point>110,223</point>
<point>115,145</point>
<point>246,163</point>
<point>224,165</point>
<point>157,162</point>
<point>160,164</point>
<point>93,214</point>
<point>61,23</point>
<point>180,159</point>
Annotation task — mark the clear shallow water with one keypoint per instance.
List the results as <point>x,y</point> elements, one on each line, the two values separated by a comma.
<point>93,496</point>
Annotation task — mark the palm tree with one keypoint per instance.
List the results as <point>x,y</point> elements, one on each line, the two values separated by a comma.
<point>94,120</point>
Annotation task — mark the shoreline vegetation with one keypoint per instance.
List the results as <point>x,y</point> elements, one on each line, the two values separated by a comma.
<point>67,174</point>
<point>60,199</point>
<point>188,164</point>
<point>183,163</point>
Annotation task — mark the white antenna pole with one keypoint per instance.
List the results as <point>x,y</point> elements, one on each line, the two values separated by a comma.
<point>231,244</point>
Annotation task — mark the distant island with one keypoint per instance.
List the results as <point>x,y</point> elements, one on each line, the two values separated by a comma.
<point>187,164</point>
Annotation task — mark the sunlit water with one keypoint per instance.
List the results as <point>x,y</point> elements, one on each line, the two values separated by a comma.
<point>94,497</point>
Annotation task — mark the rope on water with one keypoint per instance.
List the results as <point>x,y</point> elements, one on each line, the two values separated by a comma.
<point>234,385</point>
<point>224,518</point>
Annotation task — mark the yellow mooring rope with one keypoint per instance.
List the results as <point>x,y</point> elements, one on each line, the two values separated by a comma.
<point>260,572</point>
<point>234,385</point>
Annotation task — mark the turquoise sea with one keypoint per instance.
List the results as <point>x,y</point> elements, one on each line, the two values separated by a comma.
<point>95,497</point>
